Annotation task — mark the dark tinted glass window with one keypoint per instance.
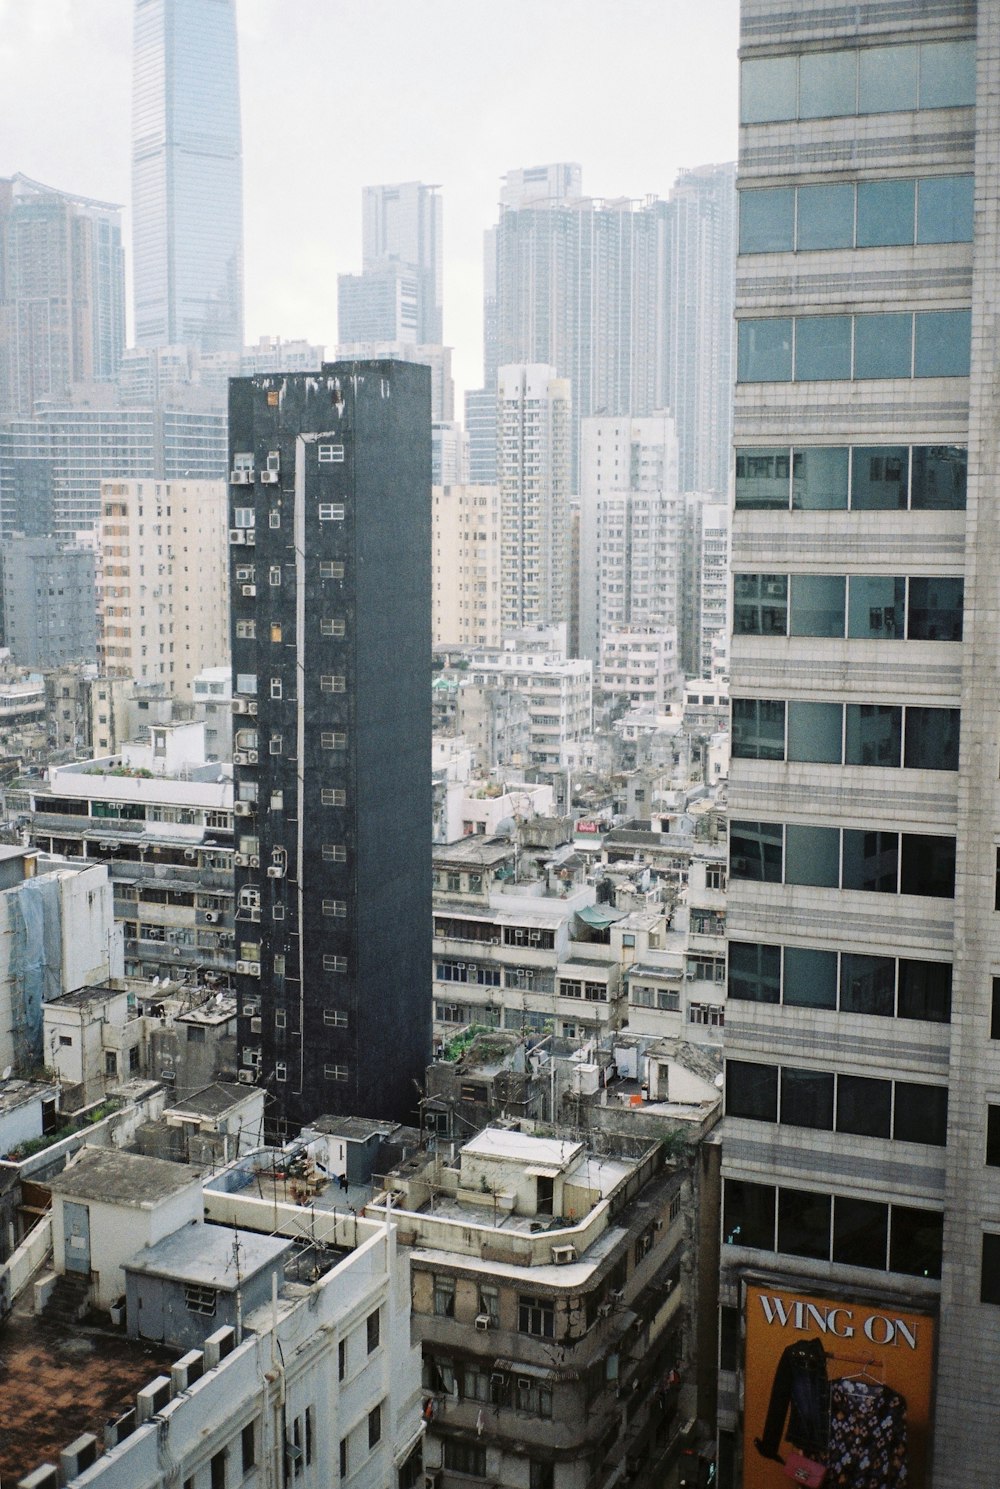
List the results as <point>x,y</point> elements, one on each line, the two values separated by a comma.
<point>993,1136</point>
<point>826,217</point>
<point>885,213</point>
<point>807,1098</point>
<point>942,343</point>
<point>870,860</point>
<point>814,732</point>
<point>876,608</point>
<point>764,350</point>
<point>729,1338</point>
<point>989,1285</point>
<point>758,729</point>
<point>760,604</point>
<point>883,345</point>
<point>867,984</point>
<point>924,991</point>
<point>860,1232</point>
<point>920,1114</point>
<point>932,738</point>
<point>864,1106</point>
<point>812,855</point>
<point>939,477</point>
<point>822,347</point>
<point>935,612</point>
<point>762,478</point>
<point>879,478</point>
<point>755,851</point>
<point>754,971</point>
<point>995,1010</point>
<point>748,1214</point>
<point>887,79</point>
<point>927,865</point>
<point>817,605</point>
<point>819,478</point>
<point>810,977</point>
<point>751,1090</point>
<point>804,1223</point>
<point>767,220</point>
<point>915,1241</point>
<point>874,734</point>
<point>944,209</point>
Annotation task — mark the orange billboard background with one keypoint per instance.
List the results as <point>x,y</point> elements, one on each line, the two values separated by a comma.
<point>845,1385</point>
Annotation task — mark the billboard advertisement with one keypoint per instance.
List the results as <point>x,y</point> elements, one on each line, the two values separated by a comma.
<point>837,1393</point>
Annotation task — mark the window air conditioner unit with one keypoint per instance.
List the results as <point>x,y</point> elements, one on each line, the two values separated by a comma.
<point>269,477</point>
<point>211,917</point>
<point>657,1224</point>
<point>237,535</point>
<point>241,808</point>
<point>275,872</point>
<point>254,861</point>
<point>249,590</point>
<point>239,705</point>
<point>241,967</point>
<point>616,1295</point>
<point>251,537</point>
<point>252,757</point>
<point>190,854</point>
<point>240,860</point>
<point>252,706</point>
<point>245,1077</point>
<point>253,969</point>
<point>604,1310</point>
<point>483,1322</point>
<point>563,1255</point>
<point>239,758</point>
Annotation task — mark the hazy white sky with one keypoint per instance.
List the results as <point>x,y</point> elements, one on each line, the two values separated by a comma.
<point>338,95</point>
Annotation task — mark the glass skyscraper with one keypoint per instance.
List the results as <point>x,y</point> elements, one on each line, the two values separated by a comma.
<point>187,191</point>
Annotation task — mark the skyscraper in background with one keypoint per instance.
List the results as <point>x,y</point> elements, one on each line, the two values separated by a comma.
<point>398,294</point>
<point>187,184</point>
<point>62,292</point>
<point>533,466</point>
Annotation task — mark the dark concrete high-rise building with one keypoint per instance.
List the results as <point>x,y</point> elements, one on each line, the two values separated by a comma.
<point>187,176</point>
<point>330,547</point>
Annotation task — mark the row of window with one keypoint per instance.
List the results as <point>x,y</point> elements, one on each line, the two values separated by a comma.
<point>330,1072</point>
<point>865,607</point>
<point>858,80</point>
<point>825,1227</point>
<point>848,981</point>
<point>468,1380</point>
<point>246,630</point>
<point>822,348</point>
<point>869,214</point>
<point>455,929</point>
<point>831,1101</point>
<point>846,734</point>
<point>869,478</point>
<point>843,858</point>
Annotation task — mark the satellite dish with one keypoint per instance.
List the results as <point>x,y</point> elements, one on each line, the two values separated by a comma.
<point>6,1073</point>
<point>505,829</point>
<point>156,982</point>
<point>720,1080</point>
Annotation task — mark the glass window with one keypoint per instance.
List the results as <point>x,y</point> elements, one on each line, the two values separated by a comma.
<point>817,605</point>
<point>812,855</point>
<point>867,984</point>
<point>822,347</point>
<point>920,1114</point>
<point>751,1090</point>
<point>885,213</point>
<point>748,1214</point>
<point>764,350</point>
<point>755,851</point>
<point>879,478</point>
<point>887,79</point>
<point>807,1098</point>
<point>925,991</point>
<point>754,972</point>
<point>928,865</point>
<point>860,1232</point>
<point>762,479</point>
<point>758,729</point>
<point>760,604</point>
<point>814,732</point>
<point>995,1010</point>
<point>935,610</point>
<point>883,345</point>
<point>768,89</point>
<point>939,478</point>
<point>947,74</point>
<point>932,738</point>
<point>825,216</point>
<point>804,1223</point>
<point>989,1283</point>
<point>915,1241</point>
<point>942,343</point>
<point>819,478</point>
<point>870,860</point>
<point>767,220</point>
<point>864,1106</point>
<point>874,734</point>
<point>827,84</point>
<point>944,209</point>
<point>810,977</point>
<point>876,607</point>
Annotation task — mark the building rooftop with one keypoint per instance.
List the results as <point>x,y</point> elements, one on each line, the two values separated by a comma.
<point>15,1093</point>
<point>207,1255</point>
<point>115,1178</point>
<point>502,1144</point>
<point>475,851</point>
<point>81,996</point>
<point>213,1100</point>
<point>355,1129</point>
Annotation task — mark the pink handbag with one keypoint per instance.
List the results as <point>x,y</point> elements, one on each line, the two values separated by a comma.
<point>805,1471</point>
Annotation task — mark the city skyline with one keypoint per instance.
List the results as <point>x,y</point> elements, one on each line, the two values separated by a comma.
<point>674,98</point>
